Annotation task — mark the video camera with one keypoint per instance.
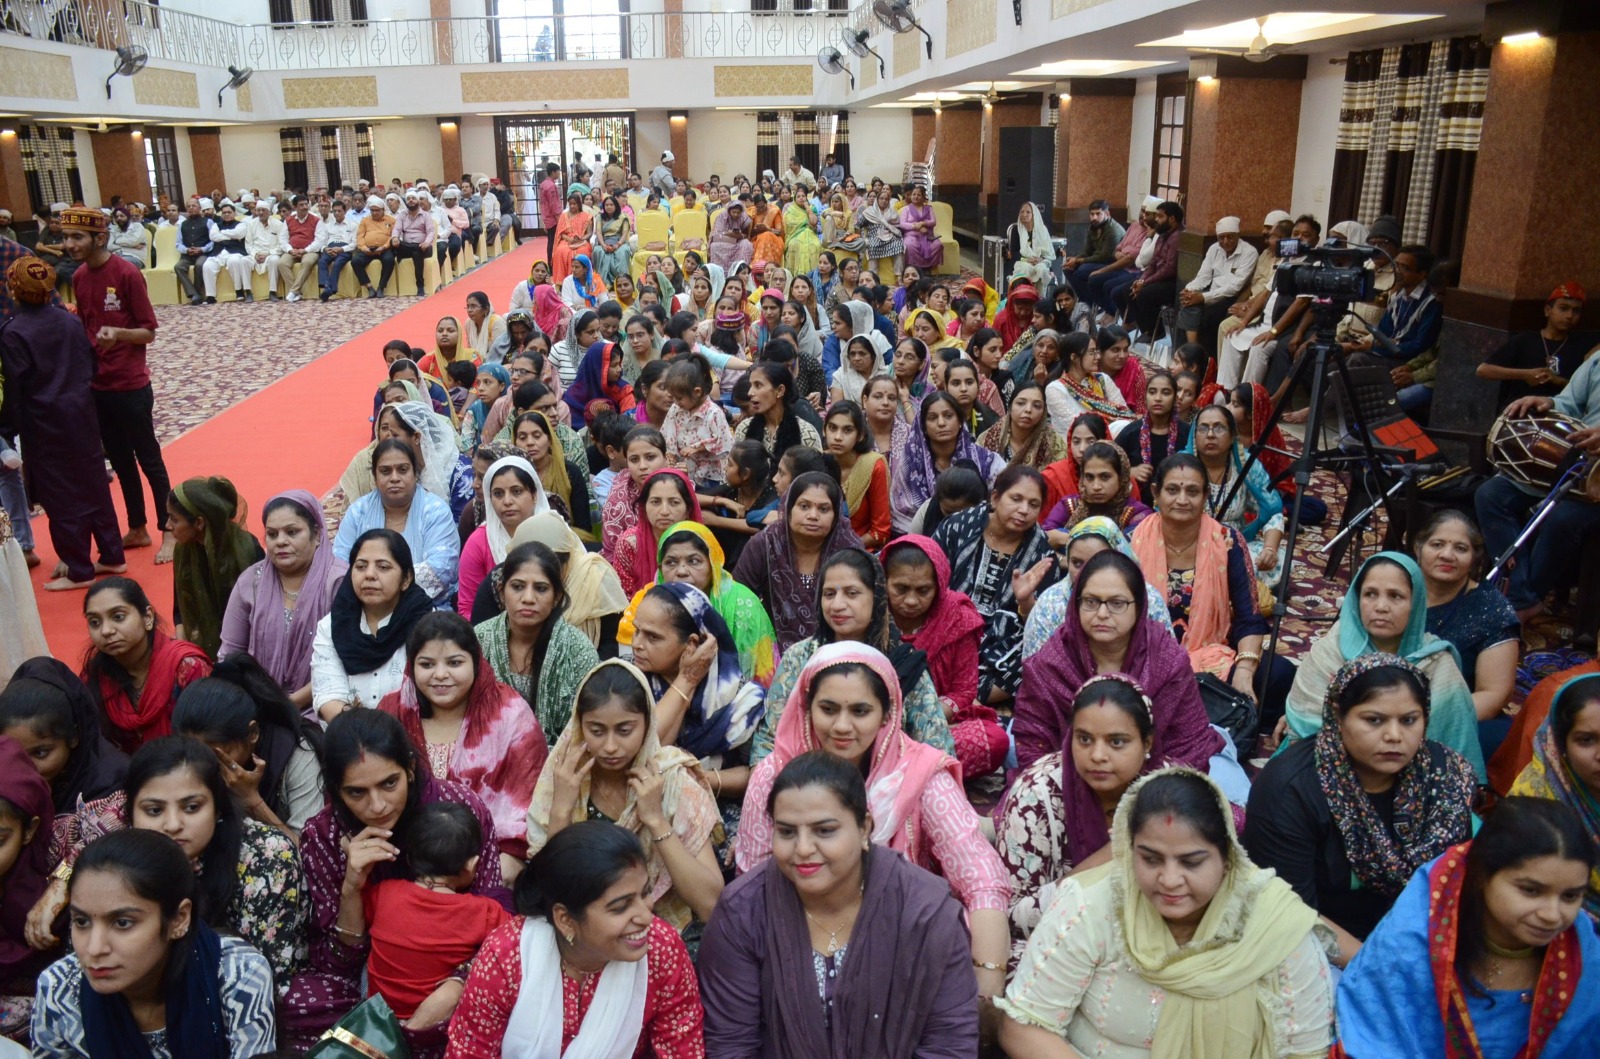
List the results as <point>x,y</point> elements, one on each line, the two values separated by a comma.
<point>1336,272</point>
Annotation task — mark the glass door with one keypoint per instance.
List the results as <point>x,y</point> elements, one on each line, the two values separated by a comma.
<point>528,143</point>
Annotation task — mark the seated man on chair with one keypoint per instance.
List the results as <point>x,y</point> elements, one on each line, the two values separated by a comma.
<point>1224,273</point>
<point>1539,363</point>
<point>1099,248</point>
<point>1552,557</point>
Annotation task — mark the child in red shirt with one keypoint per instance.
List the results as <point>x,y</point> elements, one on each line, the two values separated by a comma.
<point>424,929</point>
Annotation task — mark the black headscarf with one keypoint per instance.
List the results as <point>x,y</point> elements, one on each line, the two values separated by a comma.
<point>95,767</point>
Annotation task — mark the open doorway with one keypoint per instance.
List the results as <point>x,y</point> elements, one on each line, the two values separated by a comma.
<point>526,143</point>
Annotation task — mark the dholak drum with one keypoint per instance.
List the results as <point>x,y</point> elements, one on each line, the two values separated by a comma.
<point>1530,449</point>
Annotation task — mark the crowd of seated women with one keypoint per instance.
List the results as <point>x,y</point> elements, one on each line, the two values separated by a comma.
<point>690,684</point>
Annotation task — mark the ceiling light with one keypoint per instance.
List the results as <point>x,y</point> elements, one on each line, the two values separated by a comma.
<point>981,87</point>
<point>1294,27</point>
<point>1089,67</point>
<point>1520,38</point>
<point>1206,79</point>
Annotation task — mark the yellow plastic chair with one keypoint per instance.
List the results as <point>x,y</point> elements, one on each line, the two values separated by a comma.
<point>654,226</point>
<point>944,228</point>
<point>690,224</point>
<point>160,280</point>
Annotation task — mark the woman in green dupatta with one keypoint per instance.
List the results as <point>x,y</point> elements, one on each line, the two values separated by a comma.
<point>530,645</point>
<point>739,607</point>
<point>801,247</point>
<point>1386,609</point>
<point>213,549</point>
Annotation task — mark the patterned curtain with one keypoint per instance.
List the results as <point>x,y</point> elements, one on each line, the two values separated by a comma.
<point>292,142</point>
<point>805,140</point>
<point>1409,126</point>
<point>841,141</point>
<point>766,141</point>
<point>1459,134</point>
<point>368,171</point>
<point>50,165</point>
<point>330,154</point>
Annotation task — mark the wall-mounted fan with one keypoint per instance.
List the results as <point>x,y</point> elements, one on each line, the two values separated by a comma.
<point>831,60</point>
<point>238,76</point>
<point>898,16</point>
<point>857,43</point>
<point>130,60</point>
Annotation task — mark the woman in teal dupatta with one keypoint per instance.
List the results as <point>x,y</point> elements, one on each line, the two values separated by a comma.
<point>1397,603</point>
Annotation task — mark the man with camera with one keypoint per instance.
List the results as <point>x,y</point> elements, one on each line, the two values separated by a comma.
<point>1552,557</point>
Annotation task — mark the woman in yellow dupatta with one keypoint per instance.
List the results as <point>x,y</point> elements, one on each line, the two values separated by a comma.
<point>1180,941</point>
<point>658,792</point>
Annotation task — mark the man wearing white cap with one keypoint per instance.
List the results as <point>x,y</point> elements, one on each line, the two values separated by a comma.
<point>1224,272</point>
<point>227,253</point>
<point>490,213</point>
<point>661,177</point>
<point>1273,220</point>
<point>266,245</point>
<point>1105,285</point>
<point>414,235</point>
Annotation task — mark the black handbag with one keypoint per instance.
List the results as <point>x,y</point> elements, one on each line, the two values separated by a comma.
<point>1233,711</point>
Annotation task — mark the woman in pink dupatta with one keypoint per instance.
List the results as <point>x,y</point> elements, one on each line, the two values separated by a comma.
<point>498,748</point>
<point>915,796</point>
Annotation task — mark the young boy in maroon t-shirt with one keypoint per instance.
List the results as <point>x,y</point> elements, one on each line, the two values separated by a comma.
<point>114,305</point>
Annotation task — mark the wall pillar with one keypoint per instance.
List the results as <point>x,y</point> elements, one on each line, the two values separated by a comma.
<point>678,126</point>
<point>450,150</point>
<point>674,29</point>
<point>205,147</point>
<point>120,164</point>
<point>1094,115</point>
<point>1243,128</point>
<point>1534,163</point>
<point>13,182</point>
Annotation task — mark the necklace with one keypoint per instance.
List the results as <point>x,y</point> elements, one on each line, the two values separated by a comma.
<point>1507,954</point>
<point>833,935</point>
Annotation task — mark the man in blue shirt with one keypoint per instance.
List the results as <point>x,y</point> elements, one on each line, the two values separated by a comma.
<point>1552,557</point>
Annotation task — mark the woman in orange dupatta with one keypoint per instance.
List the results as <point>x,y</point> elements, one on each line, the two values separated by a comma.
<point>766,224</point>
<point>1204,570</point>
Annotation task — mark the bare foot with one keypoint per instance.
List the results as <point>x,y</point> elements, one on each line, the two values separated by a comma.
<point>66,584</point>
<point>1528,614</point>
<point>136,538</point>
<point>59,571</point>
<point>101,569</point>
<point>165,554</point>
<point>1297,416</point>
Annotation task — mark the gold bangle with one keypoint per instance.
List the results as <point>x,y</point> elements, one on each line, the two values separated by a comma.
<point>658,839</point>
<point>1247,656</point>
<point>980,965</point>
<point>63,872</point>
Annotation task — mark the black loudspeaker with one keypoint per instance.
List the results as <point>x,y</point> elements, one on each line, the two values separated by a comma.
<point>1027,170</point>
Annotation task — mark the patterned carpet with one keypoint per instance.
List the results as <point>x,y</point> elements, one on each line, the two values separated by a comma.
<point>207,358</point>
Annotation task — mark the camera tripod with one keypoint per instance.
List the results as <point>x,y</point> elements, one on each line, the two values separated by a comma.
<point>1315,360</point>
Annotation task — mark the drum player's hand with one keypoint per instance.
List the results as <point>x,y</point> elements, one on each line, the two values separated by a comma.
<point>1587,439</point>
<point>1526,406</point>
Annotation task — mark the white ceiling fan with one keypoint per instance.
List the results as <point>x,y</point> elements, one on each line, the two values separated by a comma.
<point>1258,51</point>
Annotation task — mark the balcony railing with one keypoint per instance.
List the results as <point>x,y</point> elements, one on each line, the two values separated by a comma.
<point>182,36</point>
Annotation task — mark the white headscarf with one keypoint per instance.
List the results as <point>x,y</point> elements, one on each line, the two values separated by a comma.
<point>438,443</point>
<point>863,325</point>
<point>495,530</point>
<point>1035,241</point>
<point>1354,233</point>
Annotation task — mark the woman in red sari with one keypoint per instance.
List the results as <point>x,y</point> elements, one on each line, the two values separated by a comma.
<point>585,968</point>
<point>134,669</point>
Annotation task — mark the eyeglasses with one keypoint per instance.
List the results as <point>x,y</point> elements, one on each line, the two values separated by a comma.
<point>1092,604</point>
<point>1211,430</point>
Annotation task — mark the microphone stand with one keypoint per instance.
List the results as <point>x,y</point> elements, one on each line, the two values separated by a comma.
<point>1574,470</point>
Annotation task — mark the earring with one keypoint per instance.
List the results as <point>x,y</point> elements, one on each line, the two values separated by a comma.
<point>569,938</point>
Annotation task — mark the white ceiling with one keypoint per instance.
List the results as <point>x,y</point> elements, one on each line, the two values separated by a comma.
<point>1126,49</point>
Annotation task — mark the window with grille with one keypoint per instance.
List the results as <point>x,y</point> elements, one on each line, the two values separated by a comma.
<point>1172,105</point>
<point>553,30</point>
<point>161,160</point>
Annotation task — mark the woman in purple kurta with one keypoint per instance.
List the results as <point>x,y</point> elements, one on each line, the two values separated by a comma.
<point>899,985</point>
<point>730,236</point>
<point>923,248</point>
<point>48,364</point>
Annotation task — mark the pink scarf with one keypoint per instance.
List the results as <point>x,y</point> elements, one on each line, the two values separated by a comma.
<point>901,766</point>
<point>644,534</point>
